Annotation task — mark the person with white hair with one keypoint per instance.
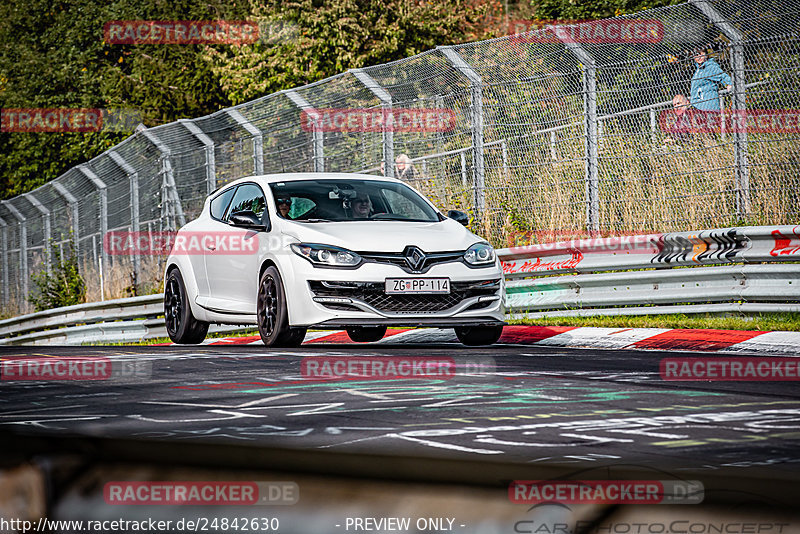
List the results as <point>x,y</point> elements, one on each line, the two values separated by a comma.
<point>405,168</point>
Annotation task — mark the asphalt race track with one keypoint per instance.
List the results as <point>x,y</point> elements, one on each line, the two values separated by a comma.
<point>511,403</point>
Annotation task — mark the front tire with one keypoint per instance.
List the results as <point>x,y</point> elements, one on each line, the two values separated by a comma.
<point>272,313</point>
<point>475,336</point>
<point>182,327</point>
<point>366,334</point>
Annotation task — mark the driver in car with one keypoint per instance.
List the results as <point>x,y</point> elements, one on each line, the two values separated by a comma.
<point>362,206</point>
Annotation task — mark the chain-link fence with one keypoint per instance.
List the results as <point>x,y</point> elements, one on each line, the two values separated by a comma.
<point>569,129</point>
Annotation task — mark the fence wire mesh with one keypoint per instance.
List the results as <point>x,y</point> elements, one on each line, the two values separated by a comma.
<point>556,134</point>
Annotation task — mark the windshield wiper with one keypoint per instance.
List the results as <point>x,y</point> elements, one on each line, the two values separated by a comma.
<point>313,220</point>
<point>399,219</point>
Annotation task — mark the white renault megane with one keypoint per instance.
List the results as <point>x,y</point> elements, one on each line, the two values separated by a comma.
<point>290,252</point>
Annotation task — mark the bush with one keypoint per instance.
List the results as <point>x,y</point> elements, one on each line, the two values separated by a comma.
<point>64,286</point>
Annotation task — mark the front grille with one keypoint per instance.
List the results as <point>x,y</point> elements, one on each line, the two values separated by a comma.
<point>373,294</point>
<point>399,259</point>
<point>411,303</point>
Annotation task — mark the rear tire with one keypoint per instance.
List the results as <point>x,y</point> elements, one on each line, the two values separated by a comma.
<point>475,336</point>
<point>366,334</point>
<point>272,313</point>
<point>182,327</point>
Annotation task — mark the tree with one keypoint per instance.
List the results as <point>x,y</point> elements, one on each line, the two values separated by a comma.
<point>600,9</point>
<point>63,287</point>
<point>308,40</point>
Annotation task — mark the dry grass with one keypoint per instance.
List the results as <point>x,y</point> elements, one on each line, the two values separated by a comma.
<point>118,279</point>
<point>668,187</point>
<point>765,322</point>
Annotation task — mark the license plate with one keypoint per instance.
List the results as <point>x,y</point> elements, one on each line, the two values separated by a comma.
<point>417,285</point>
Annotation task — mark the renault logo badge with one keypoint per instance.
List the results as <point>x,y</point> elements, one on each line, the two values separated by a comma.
<point>415,258</point>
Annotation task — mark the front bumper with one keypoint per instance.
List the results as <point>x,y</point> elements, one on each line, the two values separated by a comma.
<point>370,297</point>
<point>333,298</point>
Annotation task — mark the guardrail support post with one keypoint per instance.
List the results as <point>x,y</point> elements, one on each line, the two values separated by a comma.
<point>4,249</point>
<point>476,88</point>
<point>258,139</point>
<point>208,143</point>
<point>48,258</point>
<point>170,200</point>
<point>386,108</point>
<point>23,247</point>
<point>318,147</point>
<point>133,176</point>
<point>589,70</point>
<point>103,191</point>
<point>740,147</point>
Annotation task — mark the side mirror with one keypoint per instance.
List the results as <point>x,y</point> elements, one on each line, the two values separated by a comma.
<point>247,219</point>
<point>459,217</point>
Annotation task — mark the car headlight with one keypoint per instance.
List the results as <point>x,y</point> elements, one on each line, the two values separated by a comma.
<point>326,255</point>
<point>479,254</point>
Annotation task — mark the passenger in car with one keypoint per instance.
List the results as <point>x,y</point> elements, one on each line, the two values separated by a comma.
<point>284,206</point>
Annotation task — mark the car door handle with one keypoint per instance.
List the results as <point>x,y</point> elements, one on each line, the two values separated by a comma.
<point>211,247</point>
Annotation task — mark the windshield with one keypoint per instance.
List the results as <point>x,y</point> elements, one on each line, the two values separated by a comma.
<point>350,200</point>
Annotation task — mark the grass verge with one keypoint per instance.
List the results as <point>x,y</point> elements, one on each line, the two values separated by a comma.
<point>157,340</point>
<point>766,321</point>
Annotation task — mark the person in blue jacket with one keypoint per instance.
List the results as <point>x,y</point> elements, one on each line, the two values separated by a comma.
<point>707,79</point>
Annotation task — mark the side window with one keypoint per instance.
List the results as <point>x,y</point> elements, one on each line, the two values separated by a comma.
<point>220,203</point>
<point>401,205</point>
<point>300,206</point>
<point>248,197</point>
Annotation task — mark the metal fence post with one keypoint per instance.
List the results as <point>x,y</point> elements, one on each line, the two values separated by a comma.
<point>170,199</point>
<point>211,164</point>
<point>653,127</point>
<point>388,119</point>
<point>318,146</point>
<point>740,147</point>
<point>23,247</point>
<point>476,89</point>
<point>133,176</point>
<point>103,191</point>
<point>258,139</point>
<point>589,70</point>
<point>48,259</point>
<point>4,230</point>
<point>72,202</point>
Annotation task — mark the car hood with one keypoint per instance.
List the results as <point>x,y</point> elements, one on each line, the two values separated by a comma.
<point>384,236</point>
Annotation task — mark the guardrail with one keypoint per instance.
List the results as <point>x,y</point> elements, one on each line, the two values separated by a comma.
<point>726,269</point>
<point>752,269</point>
<point>113,321</point>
